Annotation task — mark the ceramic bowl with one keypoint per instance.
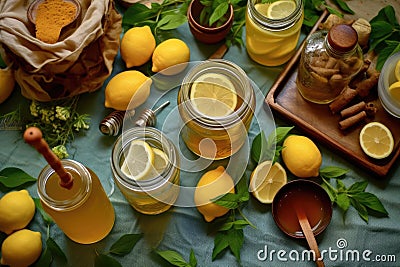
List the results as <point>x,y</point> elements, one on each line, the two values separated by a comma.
<point>207,35</point>
<point>305,194</point>
<point>32,9</point>
<point>386,78</point>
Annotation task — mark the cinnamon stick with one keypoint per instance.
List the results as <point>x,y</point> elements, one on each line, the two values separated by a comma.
<point>352,110</point>
<point>353,120</point>
<point>343,100</point>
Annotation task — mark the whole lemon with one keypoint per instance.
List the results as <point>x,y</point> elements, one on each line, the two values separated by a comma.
<point>7,83</point>
<point>16,211</point>
<point>170,53</point>
<point>126,87</point>
<point>137,46</point>
<point>21,248</point>
<point>301,156</point>
<point>212,184</point>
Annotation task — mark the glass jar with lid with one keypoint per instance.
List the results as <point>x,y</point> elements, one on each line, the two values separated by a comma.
<point>157,192</point>
<point>328,62</point>
<point>273,30</point>
<point>216,136</point>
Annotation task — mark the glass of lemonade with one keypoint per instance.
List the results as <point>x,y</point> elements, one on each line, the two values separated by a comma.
<point>83,212</point>
<point>216,103</point>
<point>273,30</point>
<point>156,192</point>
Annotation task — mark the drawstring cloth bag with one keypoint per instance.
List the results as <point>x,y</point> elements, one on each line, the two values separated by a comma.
<point>79,62</point>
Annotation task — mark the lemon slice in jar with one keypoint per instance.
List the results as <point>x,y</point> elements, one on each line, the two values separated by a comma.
<point>397,71</point>
<point>394,91</point>
<point>213,95</point>
<point>281,9</point>
<point>139,160</point>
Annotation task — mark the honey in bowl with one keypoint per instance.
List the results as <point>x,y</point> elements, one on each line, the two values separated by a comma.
<point>309,196</point>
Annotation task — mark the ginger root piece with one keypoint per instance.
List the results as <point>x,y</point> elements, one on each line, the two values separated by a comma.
<point>363,29</point>
<point>51,17</point>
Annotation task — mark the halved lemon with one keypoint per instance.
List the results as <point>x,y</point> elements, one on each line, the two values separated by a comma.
<point>376,140</point>
<point>213,95</point>
<point>281,9</point>
<point>139,160</point>
<point>397,71</point>
<point>394,91</point>
<point>266,180</point>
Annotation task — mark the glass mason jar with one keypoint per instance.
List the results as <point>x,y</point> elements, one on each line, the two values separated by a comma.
<point>328,62</point>
<point>269,41</point>
<point>216,137</point>
<point>77,211</point>
<point>154,195</point>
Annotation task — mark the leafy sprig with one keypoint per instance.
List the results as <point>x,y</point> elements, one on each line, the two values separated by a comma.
<point>365,203</point>
<point>177,259</point>
<point>385,35</point>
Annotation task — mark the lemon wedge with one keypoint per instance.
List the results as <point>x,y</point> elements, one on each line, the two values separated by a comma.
<point>266,180</point>
<point>139,160</point>
<point>281,9</point>
<point>394,91</point>
<point>376,140</point>
<point>213,95</point>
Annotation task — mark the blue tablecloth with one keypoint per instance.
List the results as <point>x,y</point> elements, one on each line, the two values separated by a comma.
<point>183,228</point>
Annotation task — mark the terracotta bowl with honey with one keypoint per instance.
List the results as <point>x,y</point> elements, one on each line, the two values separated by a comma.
<point>309,196</point>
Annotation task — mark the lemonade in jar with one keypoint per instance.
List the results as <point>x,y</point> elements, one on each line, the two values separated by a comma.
<point>273,30</point>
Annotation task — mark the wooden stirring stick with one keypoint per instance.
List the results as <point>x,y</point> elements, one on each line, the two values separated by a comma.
<point>308,233</point>
<point>33,136</point>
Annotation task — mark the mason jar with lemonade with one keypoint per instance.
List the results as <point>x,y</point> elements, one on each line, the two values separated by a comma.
<point>273,30</point>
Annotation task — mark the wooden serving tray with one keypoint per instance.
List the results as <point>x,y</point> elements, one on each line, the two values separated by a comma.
<point>318,121</point>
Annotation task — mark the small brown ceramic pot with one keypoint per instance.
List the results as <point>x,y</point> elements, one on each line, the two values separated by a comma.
<point>207,35</point>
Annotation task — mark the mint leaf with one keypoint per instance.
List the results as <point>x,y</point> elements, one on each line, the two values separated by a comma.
<point>55,249</point>
<point>258,147</point>
<point>103,260</point>
<point>344,6</point>
<point>236,241</point>
<point>192,259</point>
<point>12,177</point>
<point>170,22</point>
<point>221,242</point>
<point>219,12</point>
<point>175,258</point>
<point>332,172</point>
<point>361,209</point>
<point>39,207</point>
<point>357,187</point>
<point>370,201</point>
<point>229,201</point>
<point>125,244</point>
<point>45,259</point>
<point>343,201</point>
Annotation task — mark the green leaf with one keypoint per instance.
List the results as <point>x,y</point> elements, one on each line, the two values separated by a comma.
<point>258,147</point>
<point>229,201</point>
<point>221,242</point>
<point>218,13</point>
<point>344,6</point>
<point>343,201</point>
<point>341,186</point>
<point>12,177</point>
<point>192,259</point>
<point>236,241</point>
<point>39,207</point>
<point>279,135</point>
<point>137,13</point>
<point>332,172</point>
<point>370,201</point>
<point>45,259</point>
<point>170,22</point>
<point>331,192</point>
<point>173,257</point>
<point>240,224</point>
<point>103,260</point>
<point>357,187</point>
<point>55,249</point>
<point>242,189</point>
<point>361,209</point>
<point>125,244</point>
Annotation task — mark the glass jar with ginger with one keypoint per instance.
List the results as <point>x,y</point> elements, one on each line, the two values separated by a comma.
<point>328,62</point>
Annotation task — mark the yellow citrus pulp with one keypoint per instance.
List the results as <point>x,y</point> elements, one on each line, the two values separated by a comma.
<point>280,9</point>
<point>138,161</point>
<point>376,140</point>
<point>394,91</point>
<point>266,179</point>
<point>213,95</point>
<point>301,156</point>
<point>397,71</point>
<point>212,184</point>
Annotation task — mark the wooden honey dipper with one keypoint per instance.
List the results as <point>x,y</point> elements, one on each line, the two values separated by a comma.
<point>34,137</point>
